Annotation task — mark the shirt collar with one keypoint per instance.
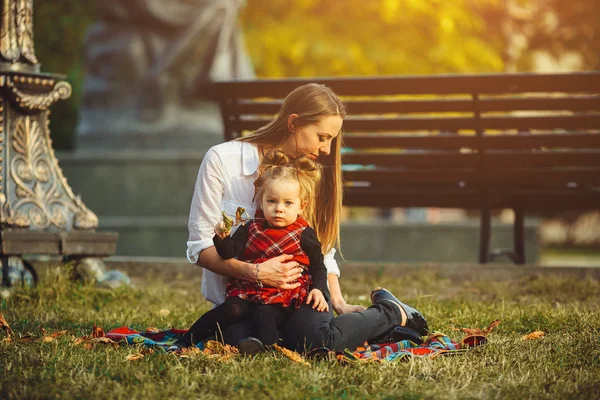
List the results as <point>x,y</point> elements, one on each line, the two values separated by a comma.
<point>250,159</point>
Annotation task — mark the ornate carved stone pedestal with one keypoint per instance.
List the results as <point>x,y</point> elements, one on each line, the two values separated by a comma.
<point>39,213</point>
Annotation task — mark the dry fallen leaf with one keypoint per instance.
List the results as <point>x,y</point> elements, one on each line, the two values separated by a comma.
<point>52,335</point>
<point>152,329</point>
<point>292,355</point>
<point>97,332</point>
<point>4,325</point>
<point>188,352</point>
<point>164,312</point>
<point>133,357</point>
<point>6,340</point>
<point>103,340</point>
<point>492,325</point>
<point>26,338</point>
<point>77,340</point>
<point>213,347</point>
<point>533,335</point>
<point>47,339</point>
<point>483,332</point>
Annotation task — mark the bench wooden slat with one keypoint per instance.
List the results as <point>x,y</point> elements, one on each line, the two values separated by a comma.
<point>377,106</point>
<point>582,82</point>
<point>540,200</point>
<point>381,140</point>
<point>504,159</point>
<point>549,176</point>
<point>363,124</point>
<point>522,140</point>
<point>391,197</point>
<point>573,140</point>
<point>431,160</point>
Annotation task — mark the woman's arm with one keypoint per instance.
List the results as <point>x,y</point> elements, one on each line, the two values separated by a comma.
<point>337,300</point>
<point>276,272</point>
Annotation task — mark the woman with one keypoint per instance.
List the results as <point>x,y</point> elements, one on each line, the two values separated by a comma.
<point>308,124</point>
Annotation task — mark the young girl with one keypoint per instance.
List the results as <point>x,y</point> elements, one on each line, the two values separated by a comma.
<point>286,190</point>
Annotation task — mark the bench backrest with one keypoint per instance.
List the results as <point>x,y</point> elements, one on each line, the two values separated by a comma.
<point>447,140</point>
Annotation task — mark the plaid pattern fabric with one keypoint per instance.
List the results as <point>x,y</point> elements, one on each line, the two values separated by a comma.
<point>263,244</point>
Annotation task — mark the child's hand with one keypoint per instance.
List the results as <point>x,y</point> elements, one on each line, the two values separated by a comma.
<point>317,297</point>
<point>221,230</point>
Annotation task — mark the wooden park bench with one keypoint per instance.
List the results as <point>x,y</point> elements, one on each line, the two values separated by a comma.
<point>528,142</point>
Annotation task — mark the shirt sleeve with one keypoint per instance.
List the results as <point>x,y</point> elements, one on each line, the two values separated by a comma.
<point>232,245</point>
<point>331,263</point>
<point>205,209</point>
<point>312,247</point>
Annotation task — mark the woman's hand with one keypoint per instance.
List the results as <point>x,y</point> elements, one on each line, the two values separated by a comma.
<point>342,307</point>
<point>279,272</point>
<point>337,300</point>
<point>319,302</point>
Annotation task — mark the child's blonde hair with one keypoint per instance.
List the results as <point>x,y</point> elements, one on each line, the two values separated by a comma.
<point>278,166</point>
<point>313,102</point>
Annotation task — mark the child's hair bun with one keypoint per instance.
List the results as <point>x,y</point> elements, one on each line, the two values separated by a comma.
<point>308,166</point>
<point>273,159</point>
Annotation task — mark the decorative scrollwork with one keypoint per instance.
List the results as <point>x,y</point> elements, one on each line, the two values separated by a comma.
<point>85,220</point>
<point>9,217</point>
<point>41,190</point>
<point>39,102</point>
<point>8,36</point>
<point>28,143</point>
<point>16,35</point>
<point>25,30</point>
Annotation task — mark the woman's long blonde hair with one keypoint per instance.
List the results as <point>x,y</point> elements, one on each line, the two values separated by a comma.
<point>312,102</point>
<point>277,166</point>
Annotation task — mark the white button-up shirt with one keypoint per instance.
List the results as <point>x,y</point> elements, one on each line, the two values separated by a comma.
<point>225,182</point>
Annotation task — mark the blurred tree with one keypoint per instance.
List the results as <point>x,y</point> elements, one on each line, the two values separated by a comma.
<point>558,27</point>
<point>59,32</point>
<point>378,37</point>
<point>553,27</point>
<point>353,37</point>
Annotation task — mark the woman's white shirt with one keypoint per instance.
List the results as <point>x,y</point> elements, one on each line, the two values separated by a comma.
<point>225,182</point>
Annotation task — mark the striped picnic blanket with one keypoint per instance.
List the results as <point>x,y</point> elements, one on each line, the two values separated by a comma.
<point>152,337</point>
<point>435,345</point>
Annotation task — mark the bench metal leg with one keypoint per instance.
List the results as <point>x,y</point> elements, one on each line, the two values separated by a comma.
<point>17,272</point>
<point>4,266</point>
<point>519,236</point>
<point>484,235</point>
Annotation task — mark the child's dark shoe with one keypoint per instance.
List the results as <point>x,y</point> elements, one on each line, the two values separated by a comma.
<point>250,346</point>
<point>411,317</point>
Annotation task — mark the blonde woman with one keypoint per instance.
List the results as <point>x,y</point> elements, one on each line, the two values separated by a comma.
<point>309,124</point>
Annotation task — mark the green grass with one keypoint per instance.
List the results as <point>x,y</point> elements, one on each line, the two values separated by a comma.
<point>563,364</point>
